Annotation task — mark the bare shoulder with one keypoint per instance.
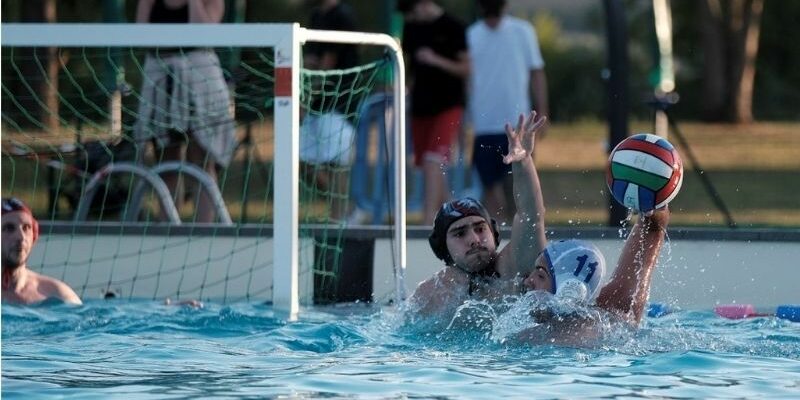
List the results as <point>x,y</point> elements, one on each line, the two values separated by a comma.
<point>445,278</point>
<point>53,288</point>
<point>441,292</point>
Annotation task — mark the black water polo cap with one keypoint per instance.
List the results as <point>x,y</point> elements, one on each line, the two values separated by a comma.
<point>453,211</point>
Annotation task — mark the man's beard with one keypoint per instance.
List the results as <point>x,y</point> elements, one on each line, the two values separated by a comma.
<point>13,258</point>
<point>480,259</point>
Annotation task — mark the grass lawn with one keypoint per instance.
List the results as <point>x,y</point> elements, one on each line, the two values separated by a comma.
<point>755,168</point>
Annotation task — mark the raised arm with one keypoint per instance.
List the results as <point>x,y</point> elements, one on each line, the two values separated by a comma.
<point>527,232</point>
<point>628,290</point>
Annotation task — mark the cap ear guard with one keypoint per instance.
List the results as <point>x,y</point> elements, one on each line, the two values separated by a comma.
<point>439,247</point>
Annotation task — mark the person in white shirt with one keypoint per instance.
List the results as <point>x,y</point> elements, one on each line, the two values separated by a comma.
<point>507,67</point>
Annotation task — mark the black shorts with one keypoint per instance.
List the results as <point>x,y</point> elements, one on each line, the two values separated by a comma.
<point>487,156</point>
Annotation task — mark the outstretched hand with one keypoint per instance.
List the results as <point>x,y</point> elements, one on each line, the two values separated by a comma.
<point>522,139</point>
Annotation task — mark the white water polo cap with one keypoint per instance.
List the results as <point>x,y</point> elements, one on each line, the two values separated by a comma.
<point>575,262</point>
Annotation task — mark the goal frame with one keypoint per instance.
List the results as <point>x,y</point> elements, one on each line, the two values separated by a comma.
<point>286,39</point>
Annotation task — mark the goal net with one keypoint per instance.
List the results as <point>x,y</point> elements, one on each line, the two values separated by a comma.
<point>192,161</point>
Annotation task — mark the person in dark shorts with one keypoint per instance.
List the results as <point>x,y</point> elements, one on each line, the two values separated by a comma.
<point>498,92</point>
<point>435,46</point>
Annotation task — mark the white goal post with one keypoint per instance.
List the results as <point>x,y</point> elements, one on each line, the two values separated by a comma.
<point>286,39</point>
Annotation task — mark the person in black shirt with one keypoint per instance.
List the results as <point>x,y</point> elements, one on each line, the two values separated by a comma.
<point>436,49</point>
<point>331,15</point>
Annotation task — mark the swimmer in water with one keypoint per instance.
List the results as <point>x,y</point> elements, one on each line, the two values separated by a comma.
<point>466,238</point>
<point>578,266</point>
<point>574,269</point>
<point>20,284</point>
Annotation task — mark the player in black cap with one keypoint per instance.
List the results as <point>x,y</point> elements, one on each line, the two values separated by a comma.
<point>466,237</point>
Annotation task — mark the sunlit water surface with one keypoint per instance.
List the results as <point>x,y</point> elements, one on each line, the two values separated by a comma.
<point>144,349</point>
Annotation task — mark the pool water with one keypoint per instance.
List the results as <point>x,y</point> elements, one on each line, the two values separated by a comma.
<point>144,349</point>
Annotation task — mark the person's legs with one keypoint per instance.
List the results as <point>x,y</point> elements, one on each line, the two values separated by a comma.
<point>428,163</point>
<point>499,200</point>
<point>493,199</point>
<point>338,180</point>
<point>308,173</point>
<point>204,211</point>
<point>419,142</point>
<point>436,188</point>
<point>326,146</point>
<point>171,151</point>
<point>433,139</point>
<point>332,183</point>
<point>510,207</point>
<point>488,152</point>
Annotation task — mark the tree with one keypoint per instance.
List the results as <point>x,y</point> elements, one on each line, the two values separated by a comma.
<point>729,32</point>
<point>38,95</point>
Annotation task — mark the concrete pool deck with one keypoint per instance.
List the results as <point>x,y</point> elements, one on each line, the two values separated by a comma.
<point>699,269</point>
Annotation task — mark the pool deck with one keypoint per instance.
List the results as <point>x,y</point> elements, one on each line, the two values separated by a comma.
<point>699,269</point>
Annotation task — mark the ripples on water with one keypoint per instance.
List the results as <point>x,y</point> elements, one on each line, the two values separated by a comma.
<point>141,349</point>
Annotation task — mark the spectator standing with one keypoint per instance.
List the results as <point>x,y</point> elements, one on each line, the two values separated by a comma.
<point>185,98</point>
<point>436,48</point>
<point>507,67</point>
<point>332,15</point>
<point>327,132</point>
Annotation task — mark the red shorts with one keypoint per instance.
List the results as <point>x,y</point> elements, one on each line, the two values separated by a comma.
<point>433,137</point>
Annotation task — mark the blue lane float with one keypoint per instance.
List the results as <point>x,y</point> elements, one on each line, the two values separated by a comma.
<point>655,310</point>
<point>789,312</point>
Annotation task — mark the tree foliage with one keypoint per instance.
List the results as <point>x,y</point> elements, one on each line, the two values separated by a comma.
<point>709,46</point>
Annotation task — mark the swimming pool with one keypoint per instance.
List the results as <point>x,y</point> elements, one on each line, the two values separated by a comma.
<point>144,349</point>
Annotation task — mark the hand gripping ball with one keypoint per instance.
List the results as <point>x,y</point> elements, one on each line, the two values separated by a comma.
<point>644,172</point>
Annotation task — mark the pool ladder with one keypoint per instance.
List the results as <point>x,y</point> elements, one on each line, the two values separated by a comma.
<point>152,177</point>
